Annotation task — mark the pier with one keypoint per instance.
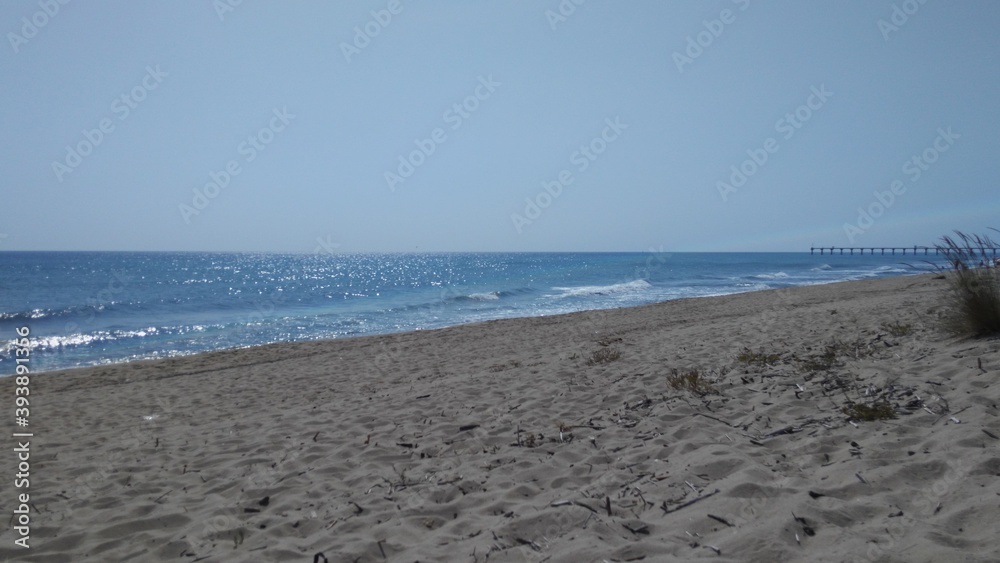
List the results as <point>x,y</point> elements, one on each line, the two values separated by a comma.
<point>890,250</point>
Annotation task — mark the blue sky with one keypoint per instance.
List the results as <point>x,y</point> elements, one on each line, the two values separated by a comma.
<point>496,126</point>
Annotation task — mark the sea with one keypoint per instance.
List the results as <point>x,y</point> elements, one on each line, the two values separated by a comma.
<point>94,308</point>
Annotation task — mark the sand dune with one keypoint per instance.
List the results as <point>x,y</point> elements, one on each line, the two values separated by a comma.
<point>503,441</point>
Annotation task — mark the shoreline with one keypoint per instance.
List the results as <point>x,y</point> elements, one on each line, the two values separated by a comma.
<point>379,335</point>
<point>571,437</point>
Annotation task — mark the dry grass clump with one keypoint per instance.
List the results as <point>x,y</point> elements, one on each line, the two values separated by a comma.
<point>875,411</point>
<point>897,328</point>
<point>835,350</point>
<point>757,358</point>
<point>975,286</point>
<point>692,381</point>
<point>604,356</point>
<point>822,362</point>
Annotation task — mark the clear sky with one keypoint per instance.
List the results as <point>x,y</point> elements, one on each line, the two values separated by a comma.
<point>433,125</point>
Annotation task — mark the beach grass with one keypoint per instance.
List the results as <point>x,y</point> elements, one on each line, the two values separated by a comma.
<point>897,328</point>
<point>974,304</point>
<point>691,380</point>
<point>604,356</point>
<point>759,358</point>
<point>869,412</point>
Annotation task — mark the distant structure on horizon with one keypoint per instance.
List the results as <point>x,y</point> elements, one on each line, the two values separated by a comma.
<point>892,250</point>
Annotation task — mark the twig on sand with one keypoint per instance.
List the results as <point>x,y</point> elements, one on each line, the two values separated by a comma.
<point>990,434</point>
<point>720,519</point>
<point>574,502</point>
<point>860,478</point>
<point>713,548</point>
<point>641,529</point>
<point>809,531</point>
<point>529,543</point>
<point>714,418</point>
<point>686,504</point>
<point>785,430</point>
<point>644,501</point>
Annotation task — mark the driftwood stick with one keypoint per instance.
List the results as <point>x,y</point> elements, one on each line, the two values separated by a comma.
<point>785,430</point>
<point>688,503</point>
<point>715,419</point>
<point>720,519</point>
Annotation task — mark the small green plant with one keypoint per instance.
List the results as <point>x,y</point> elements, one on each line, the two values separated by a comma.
<point>897,328</point>
<point>604,356</point>
<point>749,357</point>
<point>692,381</point>
<point>975,285</point>
<point>876,411</point>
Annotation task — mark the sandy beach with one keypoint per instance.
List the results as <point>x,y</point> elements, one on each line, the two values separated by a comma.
<point>700,429</point>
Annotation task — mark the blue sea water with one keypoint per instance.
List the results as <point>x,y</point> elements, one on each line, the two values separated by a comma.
<point>90,308</point>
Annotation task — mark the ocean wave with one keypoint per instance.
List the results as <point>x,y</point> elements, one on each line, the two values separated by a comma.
<point>774,276</point>
<point>35,314</point>
<point>894,270</point>
<point>44,343</point>
<point>492,295</point>
<point>822,268</point>
<point>84,310</point>
<point>614,289</point>
<point>750,286</point>
<point>25,315</point>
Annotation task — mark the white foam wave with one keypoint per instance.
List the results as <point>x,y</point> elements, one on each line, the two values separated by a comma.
<point>614,289</point>
<point>81,339</point>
